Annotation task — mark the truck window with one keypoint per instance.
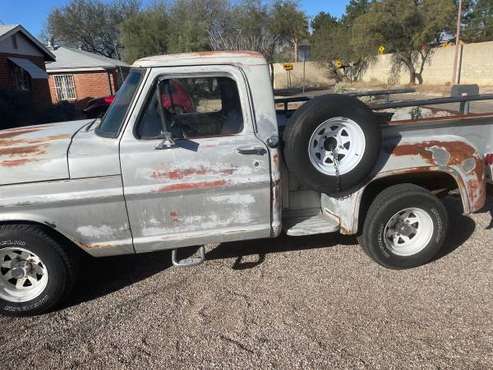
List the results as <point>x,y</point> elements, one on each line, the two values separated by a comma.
<point>113,119</point>
<point>197,107</point>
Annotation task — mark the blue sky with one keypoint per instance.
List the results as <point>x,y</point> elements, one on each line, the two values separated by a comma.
<point>32,14</point>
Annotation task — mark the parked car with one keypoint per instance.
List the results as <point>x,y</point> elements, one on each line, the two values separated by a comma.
<point>97,107</point>
<point>150,177</point>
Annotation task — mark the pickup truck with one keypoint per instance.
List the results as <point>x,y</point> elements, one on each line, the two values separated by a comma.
<point>149,177</point>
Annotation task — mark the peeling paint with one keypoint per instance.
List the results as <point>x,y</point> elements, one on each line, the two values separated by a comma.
<point>193,186</point>
<point>95,231</point>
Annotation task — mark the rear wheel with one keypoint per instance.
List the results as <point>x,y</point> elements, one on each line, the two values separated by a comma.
<point>405,227</point>
<point>35,272</point>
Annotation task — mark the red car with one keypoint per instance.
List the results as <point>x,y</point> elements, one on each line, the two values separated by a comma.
<point>181,100</point>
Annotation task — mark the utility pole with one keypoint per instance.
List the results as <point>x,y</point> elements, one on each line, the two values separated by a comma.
<point>455,77</point>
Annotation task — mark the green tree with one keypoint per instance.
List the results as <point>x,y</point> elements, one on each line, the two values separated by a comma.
<point>355,9</point>
<point>145,33</point>
<point>92,25</point>
<point>322,22</point>
<point>478,21</point>
<point>190,21</point>
<point>408,29</point>
<point>289,24</point>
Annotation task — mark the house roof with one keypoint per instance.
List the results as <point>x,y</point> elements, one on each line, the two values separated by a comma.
<point>7,30</point>
<point>205,57</point>
<point>69,59</point>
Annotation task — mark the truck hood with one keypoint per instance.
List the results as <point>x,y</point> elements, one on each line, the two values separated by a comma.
<point>36,153</point>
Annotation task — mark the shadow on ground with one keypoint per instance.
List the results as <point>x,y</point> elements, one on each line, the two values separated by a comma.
<point>99,277</point>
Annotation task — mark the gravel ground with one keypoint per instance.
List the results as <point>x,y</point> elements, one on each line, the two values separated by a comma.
<point>315,302</point>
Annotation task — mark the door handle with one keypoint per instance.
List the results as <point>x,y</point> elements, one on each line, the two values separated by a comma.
<point>251,150</point>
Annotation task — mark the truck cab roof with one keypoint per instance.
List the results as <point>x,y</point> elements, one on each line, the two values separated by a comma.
<point>201,58</point>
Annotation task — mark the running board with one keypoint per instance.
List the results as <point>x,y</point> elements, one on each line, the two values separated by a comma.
<point>312,225</point>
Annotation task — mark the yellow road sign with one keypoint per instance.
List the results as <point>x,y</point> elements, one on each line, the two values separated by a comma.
<point>288,66</point>
<point>381,49</point>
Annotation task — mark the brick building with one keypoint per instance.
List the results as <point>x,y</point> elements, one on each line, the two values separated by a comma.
<point>79,76</point>
<point>22,66</point>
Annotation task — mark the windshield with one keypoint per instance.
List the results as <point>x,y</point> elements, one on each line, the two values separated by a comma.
<point>113,119</point>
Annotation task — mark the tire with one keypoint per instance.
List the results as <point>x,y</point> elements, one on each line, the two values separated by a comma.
<point>306,142</point>
<point>410,205</point>
<point>50,271</point>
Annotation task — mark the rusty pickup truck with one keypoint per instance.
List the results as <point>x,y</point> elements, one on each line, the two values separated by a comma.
<point>153,174</point>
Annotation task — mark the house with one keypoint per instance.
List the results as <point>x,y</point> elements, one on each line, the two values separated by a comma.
<point>78,76</point>
<point>22,69</point>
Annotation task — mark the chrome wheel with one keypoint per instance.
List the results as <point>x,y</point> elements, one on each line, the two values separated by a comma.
<point>408,232</point>
<point>337,146</point>
<point>23,276</point>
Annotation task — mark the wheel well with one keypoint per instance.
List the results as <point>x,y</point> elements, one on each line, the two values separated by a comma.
<point>440,183</point>
<point>62,240</point>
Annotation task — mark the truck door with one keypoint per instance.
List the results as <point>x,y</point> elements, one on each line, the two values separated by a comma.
<point>214,184</point>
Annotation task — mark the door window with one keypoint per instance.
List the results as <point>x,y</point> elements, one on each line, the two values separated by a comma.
<point>193,108</point>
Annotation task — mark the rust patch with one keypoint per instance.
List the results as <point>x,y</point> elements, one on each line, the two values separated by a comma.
<point>97,246</point>
<point>7,134</point>
<point>275,159</point>
<point>174,216</point>
<point>455,153</point>
<point>193,186</point>
<point>180,174</point>
<point>458,150</point>
<point>15,162</point>
<point>22,151</point>
<point>26,141</point>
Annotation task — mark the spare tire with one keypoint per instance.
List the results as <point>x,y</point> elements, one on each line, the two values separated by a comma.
<point>332,144</point>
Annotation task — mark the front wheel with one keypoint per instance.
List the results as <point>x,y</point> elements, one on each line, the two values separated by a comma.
<point>36,273</point>
<point>405,227</point>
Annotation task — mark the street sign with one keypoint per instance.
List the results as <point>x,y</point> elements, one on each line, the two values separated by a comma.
<point>381,50</point>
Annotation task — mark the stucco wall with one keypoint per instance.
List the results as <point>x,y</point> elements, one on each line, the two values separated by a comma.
<point>476,66</point>
<point>316,75</point>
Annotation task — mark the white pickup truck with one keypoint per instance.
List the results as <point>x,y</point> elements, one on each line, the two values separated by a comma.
<point>193,153</point>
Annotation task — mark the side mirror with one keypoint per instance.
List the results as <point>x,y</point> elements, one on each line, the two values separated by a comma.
<point>167,142</point>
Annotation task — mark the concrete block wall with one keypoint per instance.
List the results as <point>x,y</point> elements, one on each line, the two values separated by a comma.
<point>476,67</point>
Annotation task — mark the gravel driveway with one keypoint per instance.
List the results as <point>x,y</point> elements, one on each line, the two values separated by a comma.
<point>315,302</point>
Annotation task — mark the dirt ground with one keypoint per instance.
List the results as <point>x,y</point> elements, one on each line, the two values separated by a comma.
<point>310,302</point>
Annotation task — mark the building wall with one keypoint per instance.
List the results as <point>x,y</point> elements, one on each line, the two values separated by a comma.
<point>88,85</point>
<point>476,66</point>
<point>316,75</point>
<point>40,88</point>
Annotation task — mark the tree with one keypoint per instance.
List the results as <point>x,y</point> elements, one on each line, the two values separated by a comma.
<point>355,9</point>
<point>145,33</point>
<point>478,21</point>
<point>408,29</point>
<point>245,26</point>
<point>91,25</point>
<point>190,21</point>
<point>322,22</point>
<point>289,24</point>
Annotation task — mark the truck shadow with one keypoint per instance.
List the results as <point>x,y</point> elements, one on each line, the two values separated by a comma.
<point>99,277</point>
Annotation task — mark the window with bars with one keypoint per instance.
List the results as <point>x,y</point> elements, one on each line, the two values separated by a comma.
<point>65,87</point>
